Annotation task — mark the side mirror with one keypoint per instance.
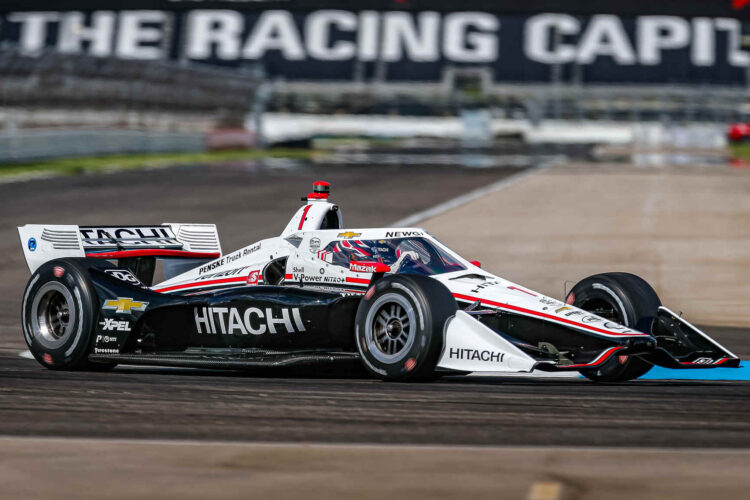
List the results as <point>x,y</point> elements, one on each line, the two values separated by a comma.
<point>475,263</point>
<point>368,267</point>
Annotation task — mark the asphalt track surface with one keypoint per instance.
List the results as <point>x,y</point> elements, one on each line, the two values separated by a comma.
<point>249,202</point>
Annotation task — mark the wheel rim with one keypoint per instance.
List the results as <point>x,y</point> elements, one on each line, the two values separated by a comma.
<point>390,328</point>
<point>53,315</point>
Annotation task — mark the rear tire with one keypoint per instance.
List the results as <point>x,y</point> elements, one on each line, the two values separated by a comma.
<point>59,311</point>
<point>399,327</point>
<point>626,299</point>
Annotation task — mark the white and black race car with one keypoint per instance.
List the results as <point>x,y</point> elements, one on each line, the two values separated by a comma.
<point>395,298</point>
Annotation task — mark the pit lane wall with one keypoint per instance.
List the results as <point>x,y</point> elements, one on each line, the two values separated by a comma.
<point>668,42</point>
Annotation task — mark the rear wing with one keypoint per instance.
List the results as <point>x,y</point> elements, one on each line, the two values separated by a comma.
<point>42,243</point>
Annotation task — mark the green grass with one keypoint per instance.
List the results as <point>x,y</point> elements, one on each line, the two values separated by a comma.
<point>740,151</point>
<point>96,164</point>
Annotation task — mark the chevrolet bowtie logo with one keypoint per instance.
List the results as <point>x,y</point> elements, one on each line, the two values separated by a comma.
<point>124,305</point>
<point>348,234</point>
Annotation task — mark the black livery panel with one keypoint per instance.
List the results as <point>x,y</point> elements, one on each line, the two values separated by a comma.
<point>133,318</point>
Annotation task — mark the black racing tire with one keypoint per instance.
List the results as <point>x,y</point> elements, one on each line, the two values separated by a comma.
<point>58,315</point>
<point>399,327</point>
<point>626,299</point>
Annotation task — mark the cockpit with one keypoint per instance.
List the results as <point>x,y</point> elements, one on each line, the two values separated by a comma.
<point>402,255</point>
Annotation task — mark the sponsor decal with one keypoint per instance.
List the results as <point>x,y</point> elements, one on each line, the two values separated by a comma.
<point>484,285</point>
<point>31,244</point>
<point>147,236</point>
<point>403,234</point>
<point>58,271</point>
<point>550,302</point>
<point>363,267</point>
<point>476,355</point>
<point>703,361</point>
<point>124,305</point>
<point>126,276</point>
<point>229,258</point>
<point>579,315</point>
<point>233,256</point>
<point>253,278</point>
<point>106,344</point>
<point>223,274</point>
<point>113,325</point>
<point>314,245</point>
<point>212,265</point>
<point>252,320</point>
<point>314,278</point>
<point>348,234</point>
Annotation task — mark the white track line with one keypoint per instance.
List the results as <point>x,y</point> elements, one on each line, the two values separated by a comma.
<point>466,198</point>
<point>373,446</point>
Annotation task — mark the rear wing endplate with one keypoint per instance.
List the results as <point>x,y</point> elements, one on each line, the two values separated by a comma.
<point>41,243</point>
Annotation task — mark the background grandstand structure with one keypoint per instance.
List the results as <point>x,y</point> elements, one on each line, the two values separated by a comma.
<point>151,67</point>
<point>55,105</point>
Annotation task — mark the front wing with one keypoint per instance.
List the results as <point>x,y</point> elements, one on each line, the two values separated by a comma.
<point>471,346</point>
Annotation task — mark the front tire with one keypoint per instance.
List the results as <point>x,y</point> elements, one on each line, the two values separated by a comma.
<point>626,299</point>
<point>59,310</point>
<point>399,327</point>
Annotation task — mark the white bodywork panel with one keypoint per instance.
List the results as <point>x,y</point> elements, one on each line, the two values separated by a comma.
<point>473,347</point>
<point>58,241</point>
<point>497,293</point>
<point>233,268</point>
<point>196,237</point>
<point>41,243</point>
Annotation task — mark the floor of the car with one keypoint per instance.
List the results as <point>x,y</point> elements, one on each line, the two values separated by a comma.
<point>228,359</point>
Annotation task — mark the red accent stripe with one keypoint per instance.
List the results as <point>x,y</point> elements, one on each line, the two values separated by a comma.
<point>288,276</point>
<point>601,359</point>
<point>304,214</point>
<point>542,315</point>
<point>212,290</point>
<point>358,280</point>
<point>201,284</point>
<point>520,290</point>
<point>154,252</point>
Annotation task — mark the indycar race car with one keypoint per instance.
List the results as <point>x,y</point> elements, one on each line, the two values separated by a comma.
<point>396,299</point>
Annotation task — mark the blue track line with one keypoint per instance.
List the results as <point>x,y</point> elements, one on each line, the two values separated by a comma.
<point>659,373</point>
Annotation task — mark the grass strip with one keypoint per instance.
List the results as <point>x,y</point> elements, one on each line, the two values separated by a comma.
<point>94,164</point>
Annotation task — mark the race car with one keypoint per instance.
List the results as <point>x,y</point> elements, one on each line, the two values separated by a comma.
<point>395,299</point>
